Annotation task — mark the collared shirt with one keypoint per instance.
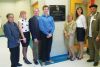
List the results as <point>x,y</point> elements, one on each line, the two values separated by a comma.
<point>90,27</point>
<point>46,24</point>
<point>38,17</point>
<point>81,22</point>
<point>25,25</point>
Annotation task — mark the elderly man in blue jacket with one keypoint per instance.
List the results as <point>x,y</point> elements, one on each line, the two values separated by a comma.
<point>12,33</point>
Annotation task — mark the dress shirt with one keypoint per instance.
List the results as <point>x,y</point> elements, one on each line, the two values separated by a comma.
<point>90,27</point>
<point>81,22</point>
<point>46,24</point>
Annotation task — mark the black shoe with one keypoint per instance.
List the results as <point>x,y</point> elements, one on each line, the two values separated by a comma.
<point>13,66</point>
<point>36,62</point>
<point>90,60</point>
<point>72,59</point>
<point>19,64</point>
<point>79,58</point>
<point>69,57</point>
<point>95,63</point>
<point>26,61</point>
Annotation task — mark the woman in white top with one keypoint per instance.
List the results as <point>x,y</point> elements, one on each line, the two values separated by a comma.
<point>24,28</point>
<point>80,30</point>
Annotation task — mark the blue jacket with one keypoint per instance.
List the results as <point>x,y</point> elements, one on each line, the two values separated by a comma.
<point>46,24</point>
<point>11,31</point>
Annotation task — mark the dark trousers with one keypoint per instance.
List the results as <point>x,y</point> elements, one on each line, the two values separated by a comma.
<point>14,56</point>
<point>45,49</point>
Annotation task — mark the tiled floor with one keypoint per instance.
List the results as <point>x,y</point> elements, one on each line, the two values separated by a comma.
<point>5,62</point>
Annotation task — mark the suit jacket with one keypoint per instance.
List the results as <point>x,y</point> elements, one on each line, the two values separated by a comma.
<point>12,33</point>
<point>34,27</point>
<point>95,25</point>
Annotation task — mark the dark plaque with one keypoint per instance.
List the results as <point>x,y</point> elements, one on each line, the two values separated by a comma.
<point>58,12</point>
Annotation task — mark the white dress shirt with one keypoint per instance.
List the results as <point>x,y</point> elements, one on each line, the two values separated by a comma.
<point>90,27</point>
<point>81,22</point>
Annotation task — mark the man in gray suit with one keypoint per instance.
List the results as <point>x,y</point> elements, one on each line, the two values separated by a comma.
<point>93,30</point>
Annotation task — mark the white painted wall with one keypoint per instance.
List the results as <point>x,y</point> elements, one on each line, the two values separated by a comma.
<point>0,22</point>
<point>6,7</point>
<point>33,1</point>
<point>98,3</point>
<point>13,7</point>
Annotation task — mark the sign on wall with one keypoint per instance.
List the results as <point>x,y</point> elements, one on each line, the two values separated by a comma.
<point>58,12</point>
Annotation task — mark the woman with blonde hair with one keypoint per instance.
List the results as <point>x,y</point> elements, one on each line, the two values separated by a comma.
<point>24,28</point>
<point>69,33</point>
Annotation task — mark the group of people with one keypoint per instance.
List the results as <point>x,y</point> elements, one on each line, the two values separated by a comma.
<point>84,27</point>
<point>40,28</point>
<point>79,26</point>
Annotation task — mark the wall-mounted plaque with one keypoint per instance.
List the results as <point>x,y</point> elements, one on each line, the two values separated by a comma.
<point>58,12</point>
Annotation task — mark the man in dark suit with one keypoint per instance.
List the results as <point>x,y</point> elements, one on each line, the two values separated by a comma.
<point>34,29</point>
<point>12,33</point>
<point>93,31</point>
